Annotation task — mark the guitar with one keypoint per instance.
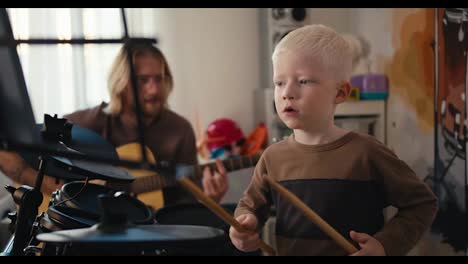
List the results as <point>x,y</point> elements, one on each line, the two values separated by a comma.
<point>148,184</point>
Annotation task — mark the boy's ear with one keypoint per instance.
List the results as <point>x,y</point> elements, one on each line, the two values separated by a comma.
<point>343,91</point>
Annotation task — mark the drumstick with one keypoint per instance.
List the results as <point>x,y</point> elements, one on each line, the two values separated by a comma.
<point>314,217</point>
<point>219,211</point>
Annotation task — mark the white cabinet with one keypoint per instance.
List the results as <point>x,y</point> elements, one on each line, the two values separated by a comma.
<point>365,116</point>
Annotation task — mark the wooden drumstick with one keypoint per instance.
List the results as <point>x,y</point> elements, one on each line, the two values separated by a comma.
<point>314,217</point>
<point>219,211</point>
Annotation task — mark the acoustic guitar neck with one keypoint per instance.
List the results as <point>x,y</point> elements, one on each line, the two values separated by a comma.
<point>155,181</point>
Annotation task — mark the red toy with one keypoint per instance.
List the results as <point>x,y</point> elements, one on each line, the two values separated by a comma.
<point>225,132</point>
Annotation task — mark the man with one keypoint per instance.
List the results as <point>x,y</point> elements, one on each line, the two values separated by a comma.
<point>168,135</point>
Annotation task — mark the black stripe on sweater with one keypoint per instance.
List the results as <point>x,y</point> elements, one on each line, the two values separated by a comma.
<point>346,205</point>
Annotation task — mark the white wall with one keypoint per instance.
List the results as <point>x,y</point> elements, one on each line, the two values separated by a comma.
<point>337,18</point>
<point>215,61</point>
<point>374,24</point>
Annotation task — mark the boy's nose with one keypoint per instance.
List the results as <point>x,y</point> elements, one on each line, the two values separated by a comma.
<point>288,92</point>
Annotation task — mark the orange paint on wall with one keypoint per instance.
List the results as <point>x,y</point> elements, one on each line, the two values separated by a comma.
<point>411,70</point>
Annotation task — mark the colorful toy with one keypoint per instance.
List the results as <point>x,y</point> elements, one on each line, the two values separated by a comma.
<point>224,138</point>
<point>372,86</point>
<point>256,142</point>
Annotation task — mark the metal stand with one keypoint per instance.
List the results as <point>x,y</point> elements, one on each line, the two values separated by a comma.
<point>28,199</point>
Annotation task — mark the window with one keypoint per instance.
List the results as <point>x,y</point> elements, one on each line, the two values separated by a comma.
<point>64,78</point>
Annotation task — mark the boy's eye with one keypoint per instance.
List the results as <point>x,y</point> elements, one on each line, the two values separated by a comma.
<point>278,83</point>
<point>305,81</point>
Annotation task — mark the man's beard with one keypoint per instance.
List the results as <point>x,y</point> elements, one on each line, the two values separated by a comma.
<point>152,110</point>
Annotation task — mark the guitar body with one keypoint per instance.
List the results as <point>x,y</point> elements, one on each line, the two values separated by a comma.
<point>132,151</point>
<point>45,203</point>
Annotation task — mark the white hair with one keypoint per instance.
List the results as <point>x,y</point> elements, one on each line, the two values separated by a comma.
<point>321,43</point>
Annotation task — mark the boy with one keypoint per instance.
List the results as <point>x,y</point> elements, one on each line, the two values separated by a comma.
<point>346,177</point>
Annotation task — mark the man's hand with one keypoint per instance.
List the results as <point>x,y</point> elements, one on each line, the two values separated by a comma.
<point>12,165</point>
<point>245,241</point>
<point>15,168</point>
<point>215,185</point>
<point>369,245</point>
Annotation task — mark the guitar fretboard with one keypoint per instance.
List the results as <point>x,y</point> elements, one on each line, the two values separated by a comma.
<point>232,164</point>
<point>155,181</point>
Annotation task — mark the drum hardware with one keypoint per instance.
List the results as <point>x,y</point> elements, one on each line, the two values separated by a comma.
<point>76,205</point>
<point>20,134</point>
<point>83,142</point>
<point>32,251</point>
<point>57,129</point>
<point>134,240</point>
<point>59,202</point>
<point>86,205</point>
<point>28,199</point>
<point>114,235</point>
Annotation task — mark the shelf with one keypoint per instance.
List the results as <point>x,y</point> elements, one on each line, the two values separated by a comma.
<point>371,107</point>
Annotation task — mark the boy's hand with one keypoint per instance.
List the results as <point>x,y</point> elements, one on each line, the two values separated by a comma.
<point>369,245</point>
<point>245,241</point>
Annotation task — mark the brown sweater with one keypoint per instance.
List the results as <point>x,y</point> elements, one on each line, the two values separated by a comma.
<point>347,182</point>
<point>170,138</point>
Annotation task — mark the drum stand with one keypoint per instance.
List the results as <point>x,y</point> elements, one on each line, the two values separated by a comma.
<point>28,199</point>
